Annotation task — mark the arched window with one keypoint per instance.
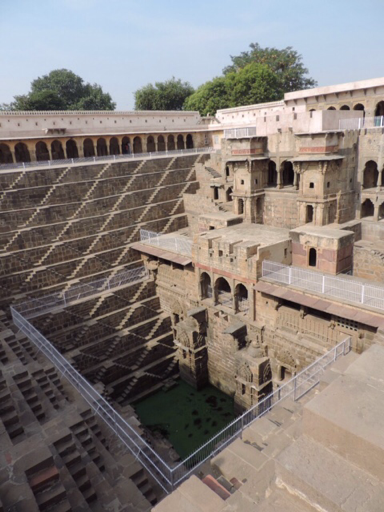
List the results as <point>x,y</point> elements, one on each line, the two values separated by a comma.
<point>370,174</point>
<point>312,260</point>
<point>102,147</point>
<point>137,147</point>
<point>126,148</point>
<point>288,173</point>
<point>114,148</point>
<point>88,148</point>
<point>309,213</point>
<point>331,108</point>
<point>223,292</point>
<point>42,153</point>
<point>57,150</point>
<point>367,209</point>
<point>151,147</point>
<point>379,110</point>
<point>171,143</point>
<point>160,143</point>
<point>189,141</point>
<point>360,107</point>
<point>206,286</point>
<point>242,303</point>
<point>228,194</point>
<point>180,142</point>
<point>5,154</point>
<point>272,174</point>
<point>71,148</point>
<point>345,107</point>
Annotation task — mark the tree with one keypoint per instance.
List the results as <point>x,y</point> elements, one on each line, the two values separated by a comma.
<point>255,83</point>
<point>168,95</point>
<point>286,63</point>
<point>62,89</point>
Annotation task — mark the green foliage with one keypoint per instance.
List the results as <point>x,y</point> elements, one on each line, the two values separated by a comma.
<point>61,89</point>
<point>255,83</point>
<point>286,63</point>
<point>168,95</point>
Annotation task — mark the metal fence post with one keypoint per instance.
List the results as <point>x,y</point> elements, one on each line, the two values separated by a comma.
<point>323,285</point>
<point>362,293</point>
<point>294,389</point>
<point>290,275</point>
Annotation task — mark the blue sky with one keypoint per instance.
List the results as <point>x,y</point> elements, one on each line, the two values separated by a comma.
<point>125,44</point>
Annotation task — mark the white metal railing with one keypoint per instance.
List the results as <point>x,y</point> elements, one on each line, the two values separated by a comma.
<point>106,158</point>
<point>239,133</point>
<point>166,476</point>
<point>179,244</point>
<point>345,288</point>
<point>357,123</point>
<point>40,305</point>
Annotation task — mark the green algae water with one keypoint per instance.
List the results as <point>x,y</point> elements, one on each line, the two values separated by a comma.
<point>186,417</point>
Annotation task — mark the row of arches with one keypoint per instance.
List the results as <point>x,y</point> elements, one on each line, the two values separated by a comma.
<point>379,109</point>
<point>58,150</point>
<point>368,210</point>
<point>222,293</point>
<point>286,174</point>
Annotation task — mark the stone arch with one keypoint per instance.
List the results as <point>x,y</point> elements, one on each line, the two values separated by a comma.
<point>137,145</point>
<point>379,110</point>
<point>42,153</point>
<point>22,152</point>
<point>71,149</point>
<point>288,174</point>
<point>285,357</point>
<point>101,145</point>
<point>223,292</point>
<point>184,339</point>
<point>189,141</point>
<point>312,110</point>
<point>228,194</point>
<point>312,257</point>
<point>272,174</point>
<point>88,148</point>
<point>367,209</point>
<point>114,146</point>
<point>57,150</point>
<point>381,211</point>
<point>126,148</point>
<point>180,142</point>
<point>331,108</point>
<point>344,107</point>
<point>5,154</point>
<point>245,373</point>
<point>241,294</point>
<point>370,174</point>
<point>359,106</point>
<point>205,286</point>
<point>151,146</point>
<point>171,143</point>
<point>160,143</point>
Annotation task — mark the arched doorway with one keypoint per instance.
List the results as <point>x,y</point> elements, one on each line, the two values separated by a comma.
<point>5,154</point>
<point>180,142</point>
<point>223,292</point>
<point>381,211</point>
<point>309,213</point>
<point>331,108</point>
<point>312,258</point>
<point>345,107</point>
<point>42,153</point>
<point>240,206</point>
<point>359,107</point>
<point>288,173</point>
<point>88,148</point>
<point>126,148</point>
<point>367,209</point>
<point>205,286</point>
<point>272,174</point>
<point>57,150</point>
<point>151,146</point>
<point>101,147</point>
<point>242,303</point>
<point>160,143</point>
<point>370,174</point>
<point>137,147</point>
<point>228,194</point>
<point>379,110</point>
<point>22,153</point>
<point>71,147</point>
<point>189,141</point>
<point>114,148</point>
<point>171,143</point>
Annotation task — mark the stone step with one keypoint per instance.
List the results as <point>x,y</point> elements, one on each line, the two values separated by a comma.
<point>284,501</point>
<point>308,469</point>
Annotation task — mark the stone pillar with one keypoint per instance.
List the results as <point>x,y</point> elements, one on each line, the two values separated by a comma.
<point>380,177</point>
<point>295,180</point>
<point>12,150</point>
<point>279,178</point>
<point>32,150</point>
<point>376,212</point>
